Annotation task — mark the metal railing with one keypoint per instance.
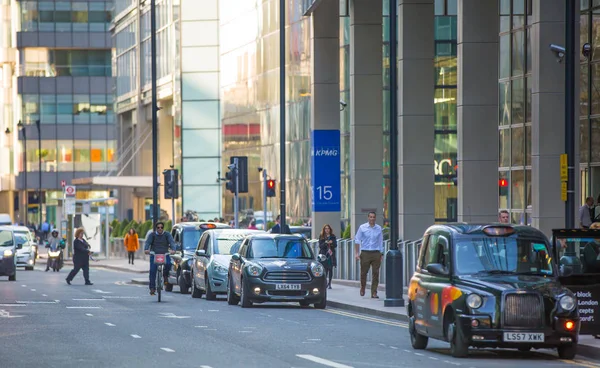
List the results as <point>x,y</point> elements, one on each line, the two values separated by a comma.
<point>348,267</point>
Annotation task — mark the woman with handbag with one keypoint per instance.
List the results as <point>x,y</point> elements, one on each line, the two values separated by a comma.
<point>81,258</point>
<point>327,247</point>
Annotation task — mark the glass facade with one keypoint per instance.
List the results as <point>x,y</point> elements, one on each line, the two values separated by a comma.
<point>589,104</point>
<point>514,114</point>
<point>67,109</point>
<point>71,155</point>
<point>44,62</point>
<point>66,16</point>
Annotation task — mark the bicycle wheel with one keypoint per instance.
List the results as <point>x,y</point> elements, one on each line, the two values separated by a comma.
<point>159,282</point>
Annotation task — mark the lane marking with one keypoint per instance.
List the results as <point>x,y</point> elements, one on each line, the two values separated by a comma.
<point>89,314</point>
<point>205,366</point>
<point>89,299</point>
<point>13,305</point>
<point>322,361</point>
<point>109,324</point>
<point>44,295</point>
<point>210,329</point>
<point>6,314</point>
<point>23,285</point>
<point>367,318</point>
<point>37,302</point>
<point>33,290</point>
<point>136,336</point>
<point>119,297</point>
<point>168,350</point>
<point>313,339</point>
<point>213,310</point>
<point>172,315</point>
<point>201,326</point>
<point>393,347</point>
<point>82,307</point>
<point>245,331</point>
<point>101,292</point>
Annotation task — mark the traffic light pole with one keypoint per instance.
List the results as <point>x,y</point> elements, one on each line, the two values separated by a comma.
<point>237,192</point>
<point>264,173</point>
<point>173,199</point>
<point>155,212</point>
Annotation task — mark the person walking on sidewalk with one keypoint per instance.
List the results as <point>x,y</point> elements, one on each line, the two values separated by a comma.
<point>81,258</point>
<point>369,251</point>
<point>132,244</point>
<point>327,246</point>
<point>160,242</point>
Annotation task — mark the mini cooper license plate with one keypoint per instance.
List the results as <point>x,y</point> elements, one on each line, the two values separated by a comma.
<point>287,287</point>
<point>523,337</point>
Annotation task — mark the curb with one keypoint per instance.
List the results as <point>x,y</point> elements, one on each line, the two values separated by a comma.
<point>140,281</point>
<point>367,311</point>
<point>94,265</point>
<point>356,284</point>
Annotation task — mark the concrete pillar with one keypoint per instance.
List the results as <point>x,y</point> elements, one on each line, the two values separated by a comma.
<point>325,88</point>
<point>548,143</point>
<point>478,23</point>
<point>366,110</point>
<point>415,117</point>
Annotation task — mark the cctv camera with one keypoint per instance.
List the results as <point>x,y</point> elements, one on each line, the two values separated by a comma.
<point>559,51</point>
<point>586,50</point>
<point>231,167</point>
<point>260,169</point>
<point>343,103</point>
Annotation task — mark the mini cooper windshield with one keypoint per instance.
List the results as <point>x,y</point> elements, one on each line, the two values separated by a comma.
<point>502,256</point>
<point>280,248</point>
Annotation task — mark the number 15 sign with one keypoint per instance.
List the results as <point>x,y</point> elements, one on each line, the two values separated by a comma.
<point>325,172</point>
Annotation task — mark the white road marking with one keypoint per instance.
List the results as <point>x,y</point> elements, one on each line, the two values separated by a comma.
<point>109,324</point>
<point>6,314</point>
<point>120,297</point>
<point>37,302</point>
<point>13,305</point>
<point>205,366</point>
<point>89,314</point>
<point>172,315</point>
<point>322,361</point>
<point>83,307</point>
<point>23,285</point>
<point>168,350</point>
<point>419,354</point>
<point>210,329</point>
<point>89,299</point>
<point>213,310</point>
<point>101,292</point>
<point>245,331</point>
<point>136,336</point>
<point>407,351</point>
<point>313,339</point>
<point>33,290</point>
<point>44,295</point>
<point>201,326</point>
<point>432,358</point>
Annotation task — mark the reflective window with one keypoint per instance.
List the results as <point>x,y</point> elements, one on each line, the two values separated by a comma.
<point>69,155</point>
<point>65,16</point>
<point>67,109</point>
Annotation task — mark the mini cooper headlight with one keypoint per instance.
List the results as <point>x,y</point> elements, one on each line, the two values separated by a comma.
<point>8,253</point>
<point>317,269</point>
<point>254,270</point>
<point>474,301</point>
<point>567,303</point>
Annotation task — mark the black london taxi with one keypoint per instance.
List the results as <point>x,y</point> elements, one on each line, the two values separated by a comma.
<point>276,268</point>
<point>490,286</point>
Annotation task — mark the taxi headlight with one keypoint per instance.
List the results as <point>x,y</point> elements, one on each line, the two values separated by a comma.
<point>254,270</point>
<point>567,303</point>
<point>474,301</point>
<point>8,253</point>
<point>317,269</point>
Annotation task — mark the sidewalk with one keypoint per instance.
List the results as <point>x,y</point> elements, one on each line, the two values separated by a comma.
<point>140,266</point>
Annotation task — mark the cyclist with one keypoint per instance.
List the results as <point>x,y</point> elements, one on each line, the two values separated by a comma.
<point>160,242</point>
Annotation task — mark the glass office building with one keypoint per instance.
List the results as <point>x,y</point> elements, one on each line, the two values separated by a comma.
<point>63,112</point>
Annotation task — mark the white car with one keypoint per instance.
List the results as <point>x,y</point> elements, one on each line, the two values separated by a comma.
<point>26,255</point>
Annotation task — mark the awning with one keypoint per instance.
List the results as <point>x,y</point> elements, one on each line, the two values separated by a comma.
<point>116,181</point>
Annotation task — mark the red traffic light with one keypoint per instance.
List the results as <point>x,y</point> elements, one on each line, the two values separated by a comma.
<point>503,182</point>
<point>271,184</point>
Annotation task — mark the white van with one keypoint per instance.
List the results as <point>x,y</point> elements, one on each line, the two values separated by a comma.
<point>5,219</point>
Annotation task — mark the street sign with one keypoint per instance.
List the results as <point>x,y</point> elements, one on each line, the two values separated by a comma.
<point>564,168</point>
<point>63,183</point>
<point>70,206</point>
<point>87,208</point>
<point>563,191</point>
<point>325,176</point>
<point>70,191</point>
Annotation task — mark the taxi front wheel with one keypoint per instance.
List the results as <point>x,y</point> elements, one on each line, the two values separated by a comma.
<point>459,348</point>
<point>567,351</point>
<point>417,340</point>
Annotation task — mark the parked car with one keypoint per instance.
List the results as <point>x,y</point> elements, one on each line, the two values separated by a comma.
<point>186,236</point>
<point>490,286</point>
<point>211,260</point>
<point>26,254</point>
<point>8,250</point>
<point>276,268</point>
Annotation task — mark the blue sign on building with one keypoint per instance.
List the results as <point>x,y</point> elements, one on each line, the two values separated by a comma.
<point>325,171</point>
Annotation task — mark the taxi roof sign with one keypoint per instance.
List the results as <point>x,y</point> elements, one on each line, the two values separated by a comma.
<point>496,230</point>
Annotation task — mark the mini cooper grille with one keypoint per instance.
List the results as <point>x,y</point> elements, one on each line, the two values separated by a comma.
<point>287,276</point>
<point>287,292</point>
<point>523,310</point>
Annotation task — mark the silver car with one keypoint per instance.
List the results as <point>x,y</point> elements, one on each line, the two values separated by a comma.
<point>26,254</point>
<point>211,260</point>
<point>31,242</point>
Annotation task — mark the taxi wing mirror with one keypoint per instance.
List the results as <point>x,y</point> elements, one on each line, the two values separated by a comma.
<point>437,269</point>
<point>235,257</point>
<point>566,271</point>
<point>201,253</point>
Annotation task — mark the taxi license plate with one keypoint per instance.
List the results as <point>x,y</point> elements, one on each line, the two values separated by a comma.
<point>523,337</point>
<point>287,287</point>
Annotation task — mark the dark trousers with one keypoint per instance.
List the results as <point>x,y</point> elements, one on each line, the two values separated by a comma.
<point>131,256</point>
<point>86,272</point>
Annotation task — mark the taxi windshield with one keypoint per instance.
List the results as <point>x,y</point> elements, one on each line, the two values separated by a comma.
<point>501,255</point>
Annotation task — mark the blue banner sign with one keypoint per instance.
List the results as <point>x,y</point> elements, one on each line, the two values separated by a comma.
<point>325,178</point>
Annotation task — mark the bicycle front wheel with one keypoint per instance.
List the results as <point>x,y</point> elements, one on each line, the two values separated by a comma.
<point>159,282</point>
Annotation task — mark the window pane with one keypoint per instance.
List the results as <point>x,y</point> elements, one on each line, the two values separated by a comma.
<point>518,53</point>
<point>595,35</point>
<point>445,108</point>
<point>504,16</point>
<point>504,56</point>
<point>583,90</point>
<point>504,105</point>
<point>452,7</point>
<point>528,145</point>
<point>517,144</point>
<point>595,139</point>
<point>504,147</point>
<point>528,183</point>
<point>595,88</point>
<point>518,13</point>
<point>584,144</point>
<point>503,185</point>
<point>528,54</point>
<point>517,189</point>
<point>518,102</point>
<point>528,100</point>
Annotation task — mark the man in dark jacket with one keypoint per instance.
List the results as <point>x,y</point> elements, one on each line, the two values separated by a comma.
<point>277,228</point>
<point>159,242</point>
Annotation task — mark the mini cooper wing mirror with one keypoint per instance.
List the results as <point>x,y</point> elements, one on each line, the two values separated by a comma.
<point>437,269</point>
<point>235,257</point>
<point>201,253</point>
<point>19,245</point>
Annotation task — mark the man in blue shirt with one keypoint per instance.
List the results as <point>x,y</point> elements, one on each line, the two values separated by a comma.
<point>369,251</point>
<point>159,242</point>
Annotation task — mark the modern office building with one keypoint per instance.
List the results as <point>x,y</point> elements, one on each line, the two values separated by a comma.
<point>57,102</point>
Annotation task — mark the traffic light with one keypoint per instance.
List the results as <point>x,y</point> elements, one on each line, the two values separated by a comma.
<point>503,187</point>
<point>230,185</point>
<point>270,188</point>
<point>242,172</point>
<point>171,180</point>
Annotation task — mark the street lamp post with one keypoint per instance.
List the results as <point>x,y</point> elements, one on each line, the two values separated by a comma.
<point>394,287</point>
<point>155,183</point>
<point>37,123</point>
<point>24,133</point>
<point>282,133</point>
<point>571,15</point>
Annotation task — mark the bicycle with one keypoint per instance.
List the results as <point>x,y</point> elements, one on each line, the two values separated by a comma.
<point>159,260</point>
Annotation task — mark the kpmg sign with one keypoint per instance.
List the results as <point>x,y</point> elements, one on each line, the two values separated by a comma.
<point>325,176</point>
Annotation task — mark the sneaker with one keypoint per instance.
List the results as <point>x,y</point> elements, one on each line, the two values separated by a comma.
<point>89,283</point>
<point>68,281</point>
<point>152,291</point>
